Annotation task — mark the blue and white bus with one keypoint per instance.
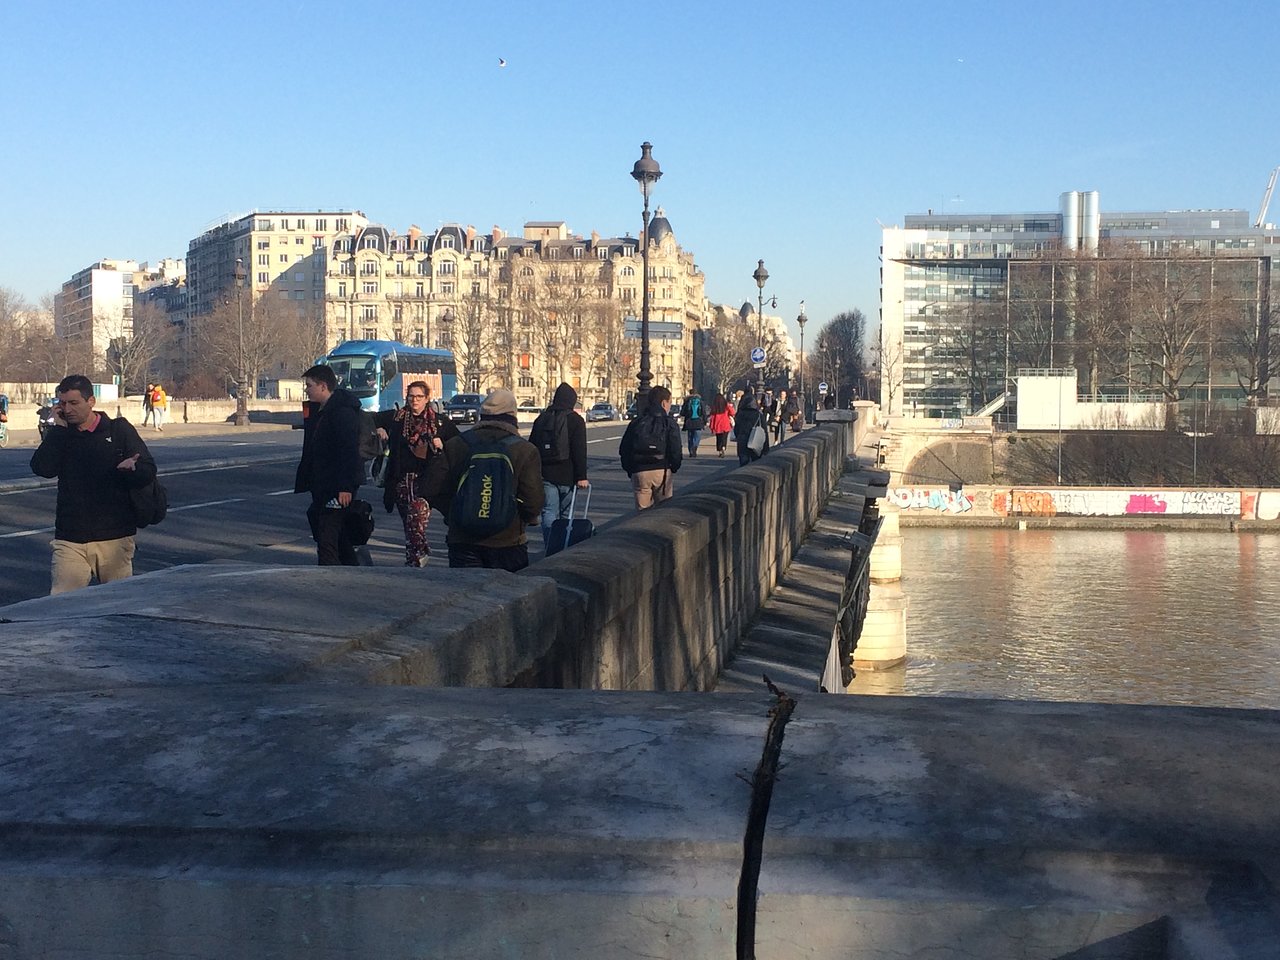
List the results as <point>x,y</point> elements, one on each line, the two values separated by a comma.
<point>377,371</point>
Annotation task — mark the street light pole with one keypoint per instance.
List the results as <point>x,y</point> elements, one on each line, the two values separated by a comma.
<point>761,277</point>
<point>646,173</point>
<point>802,320</point>
<point>242,399</point>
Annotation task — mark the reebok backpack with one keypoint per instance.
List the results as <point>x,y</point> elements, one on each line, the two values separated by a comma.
<point>484,501</point>
<point>650,439</point>
<point>550,434</point>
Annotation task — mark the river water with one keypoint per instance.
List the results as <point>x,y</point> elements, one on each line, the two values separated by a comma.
<point>1113,616</point>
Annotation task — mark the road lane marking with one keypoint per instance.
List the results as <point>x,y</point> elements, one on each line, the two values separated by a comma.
<point>26,533</point>
<point>279,493</point>
<point>210,503</point>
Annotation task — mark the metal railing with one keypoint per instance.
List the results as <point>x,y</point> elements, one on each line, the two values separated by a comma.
<point>854,598</point>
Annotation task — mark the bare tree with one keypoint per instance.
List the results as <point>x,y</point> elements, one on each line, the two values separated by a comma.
<point>1099,310</point>
<point>1034,294</point>
<point>241,337</point>
<point>1172,307</point>
<point>472,339</point>
<point>135,344</point>
<point>726,353</point>
<point>301,340</point>
<point>838,352</point>
<point>888,358</point>
<point>607,345</point>
<point>975,338</point>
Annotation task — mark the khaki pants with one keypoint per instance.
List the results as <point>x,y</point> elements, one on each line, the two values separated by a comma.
<point>651,487</point>
<point>76,564</point>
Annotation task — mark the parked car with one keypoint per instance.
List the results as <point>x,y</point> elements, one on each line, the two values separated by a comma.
<point>464,407</point>
<point>630,412</point>
<point>602,411</point>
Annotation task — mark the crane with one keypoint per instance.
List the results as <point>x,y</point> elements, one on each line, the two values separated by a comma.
<point>1266,199</point>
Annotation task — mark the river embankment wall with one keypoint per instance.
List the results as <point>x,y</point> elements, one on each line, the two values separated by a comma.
<point>1182,508</point>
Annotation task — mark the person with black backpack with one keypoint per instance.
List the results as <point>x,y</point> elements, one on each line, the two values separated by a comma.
<point>650,451</point>
<point>694,415</point>
<point>488,485</point>
<point>560,434</point>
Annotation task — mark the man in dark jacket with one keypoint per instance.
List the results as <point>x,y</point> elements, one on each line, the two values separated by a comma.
<point>330,468</point>
<point>650,451</point>
<point>560,434</point>
<point>97,460</point>
<point>508,549</point>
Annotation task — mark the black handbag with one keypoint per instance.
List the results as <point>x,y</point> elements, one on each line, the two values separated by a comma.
<point>357,522</point>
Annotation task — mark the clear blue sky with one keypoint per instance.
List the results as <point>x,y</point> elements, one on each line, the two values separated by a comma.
<point>783,131</point>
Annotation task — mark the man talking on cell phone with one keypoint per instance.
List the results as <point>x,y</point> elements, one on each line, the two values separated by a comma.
<point>97,460</point>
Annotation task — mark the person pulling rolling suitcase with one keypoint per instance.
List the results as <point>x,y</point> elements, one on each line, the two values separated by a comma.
<point>565,533</point>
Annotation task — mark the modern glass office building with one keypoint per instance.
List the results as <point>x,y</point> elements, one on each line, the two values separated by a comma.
<point>1174,304</point>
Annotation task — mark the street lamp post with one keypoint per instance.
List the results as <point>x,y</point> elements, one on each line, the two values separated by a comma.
<point>802,320</point>
<point>646,173</point>
<point>761,277</point>
<point>242,399</point>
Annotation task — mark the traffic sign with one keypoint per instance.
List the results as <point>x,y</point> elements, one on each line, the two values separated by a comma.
<point>757,356</point>
<point>822,387</point>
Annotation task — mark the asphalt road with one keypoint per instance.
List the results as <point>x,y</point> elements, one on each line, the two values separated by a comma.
<point>230,498</point>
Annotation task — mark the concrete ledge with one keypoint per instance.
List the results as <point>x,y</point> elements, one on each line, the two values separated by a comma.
<point>244,623</point>
<point>296,821</point>
<point>660,599</point>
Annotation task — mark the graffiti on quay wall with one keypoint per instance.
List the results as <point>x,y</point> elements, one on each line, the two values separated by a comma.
<point>1118,503</point>
<point>939,499</point>
<point>1265,505</point>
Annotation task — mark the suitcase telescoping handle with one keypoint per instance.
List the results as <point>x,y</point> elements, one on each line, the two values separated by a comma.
<point>573,507</point>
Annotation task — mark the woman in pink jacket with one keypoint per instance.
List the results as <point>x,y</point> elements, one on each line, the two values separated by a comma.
<point>721,422</point>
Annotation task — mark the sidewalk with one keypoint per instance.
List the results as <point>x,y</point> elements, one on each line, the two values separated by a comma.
<point>31,438</point>
<point>790,638</point>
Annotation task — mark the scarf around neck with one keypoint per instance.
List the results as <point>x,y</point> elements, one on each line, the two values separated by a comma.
<point>420,428</point>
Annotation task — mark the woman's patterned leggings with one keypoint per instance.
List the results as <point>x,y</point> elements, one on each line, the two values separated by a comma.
<point>415,513</point>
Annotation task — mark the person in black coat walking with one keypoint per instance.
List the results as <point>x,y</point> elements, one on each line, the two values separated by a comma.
<point>97,461</point>
<point>562,469</point>
<point>749,416</point>
<point>330,468</point>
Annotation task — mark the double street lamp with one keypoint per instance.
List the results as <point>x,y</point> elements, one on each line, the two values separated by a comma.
<point>242,386</point>
<point>646,173</point>
<point>761,276</point>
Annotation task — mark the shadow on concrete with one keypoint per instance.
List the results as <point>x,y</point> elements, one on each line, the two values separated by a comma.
<point>1147,942</point>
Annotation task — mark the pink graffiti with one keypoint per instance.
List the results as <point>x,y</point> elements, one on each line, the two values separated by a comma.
<point>1145,503</point>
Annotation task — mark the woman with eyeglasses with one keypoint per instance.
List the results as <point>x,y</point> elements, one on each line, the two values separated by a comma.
<point>413,435</point>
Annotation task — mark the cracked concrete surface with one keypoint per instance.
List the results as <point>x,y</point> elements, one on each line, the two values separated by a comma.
<point>311,820</point>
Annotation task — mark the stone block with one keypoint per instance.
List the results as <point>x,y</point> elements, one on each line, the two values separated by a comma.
<point>235,622</point>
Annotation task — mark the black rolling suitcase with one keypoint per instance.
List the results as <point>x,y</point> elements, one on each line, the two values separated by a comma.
<point>565,533</point>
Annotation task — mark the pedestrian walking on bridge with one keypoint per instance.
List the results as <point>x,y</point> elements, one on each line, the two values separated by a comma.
<point>650,451</point>
<point>97,461</point>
